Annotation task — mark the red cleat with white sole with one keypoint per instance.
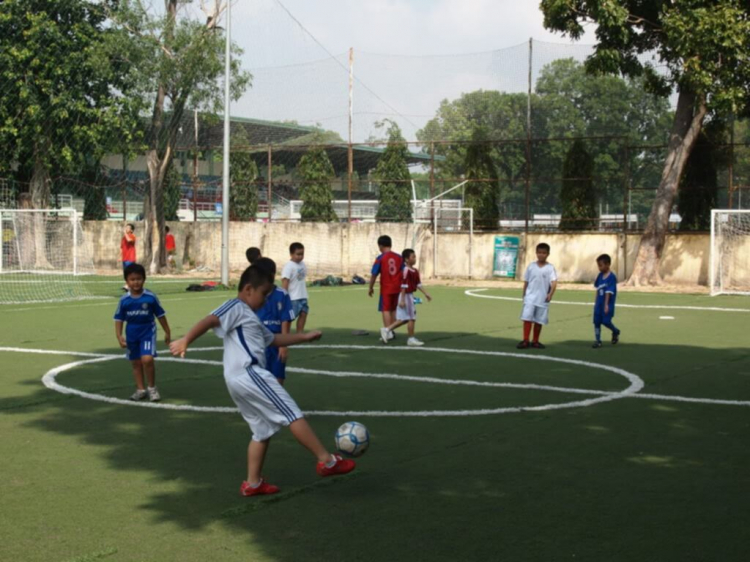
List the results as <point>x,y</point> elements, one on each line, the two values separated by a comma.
<point>263,489</point>
<point>341,466</point>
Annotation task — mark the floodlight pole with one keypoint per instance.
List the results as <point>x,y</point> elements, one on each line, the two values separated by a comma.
<point>225,187</point>
<point>350,149</point>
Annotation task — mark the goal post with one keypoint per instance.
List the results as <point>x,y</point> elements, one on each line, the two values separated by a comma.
<point>729,261</point>
<point>43,256</point>
<point>453,242</point>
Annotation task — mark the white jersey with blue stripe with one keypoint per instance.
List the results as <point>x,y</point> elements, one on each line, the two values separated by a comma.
<point>138,313</point>
<point>245,337</point>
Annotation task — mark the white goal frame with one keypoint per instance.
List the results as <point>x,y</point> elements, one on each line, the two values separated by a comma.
<point>717,281</point>
<point>74,219</point>
<point>436,233</point>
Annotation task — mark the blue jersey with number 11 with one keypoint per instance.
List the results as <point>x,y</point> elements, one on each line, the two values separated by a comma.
<point>138,313</point>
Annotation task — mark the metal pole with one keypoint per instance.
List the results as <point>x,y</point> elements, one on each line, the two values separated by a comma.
<point>350,150</point>
<point>471,243</point>
<point>2,242</point>
<point>269,196</point>
<point>528,135</point>
<point>435,243</point>
<point>195,172</point>
<point>225,189</point>
<point>74,218</point>
<point>731,163</point>
<point>712,252</point>
<point>432,178</point>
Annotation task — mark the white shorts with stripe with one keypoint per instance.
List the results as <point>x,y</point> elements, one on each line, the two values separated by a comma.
<point>409,312</point>
<point>262,401</point>
<point>536,313</point>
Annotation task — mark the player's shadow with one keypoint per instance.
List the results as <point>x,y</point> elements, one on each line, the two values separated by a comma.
<point>521,486</point>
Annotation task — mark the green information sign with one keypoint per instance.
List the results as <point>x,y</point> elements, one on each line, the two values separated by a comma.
<point>506,256</point>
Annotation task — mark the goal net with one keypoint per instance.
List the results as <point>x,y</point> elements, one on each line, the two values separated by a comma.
<point>44,256</point>
<point>730,252</point>
<point>453,239</point>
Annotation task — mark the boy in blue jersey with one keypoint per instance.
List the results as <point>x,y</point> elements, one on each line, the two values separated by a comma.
<point>277,315</point>
<point>137,309</point>
<point>264,404</point>
<point>606,295</point>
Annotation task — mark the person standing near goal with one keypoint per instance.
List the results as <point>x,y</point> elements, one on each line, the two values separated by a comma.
<point>127,246</point>
<point>388,265</point>
<point>137,309</point>
<point>540,283</point>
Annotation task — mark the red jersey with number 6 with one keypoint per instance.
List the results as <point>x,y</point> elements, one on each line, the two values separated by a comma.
<point>389,266</point>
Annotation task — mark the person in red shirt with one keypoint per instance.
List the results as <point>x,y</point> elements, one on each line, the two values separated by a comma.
<point>170,246</point>
<point>406,313</point>
<point>127,246</point>
<point>388,265</point>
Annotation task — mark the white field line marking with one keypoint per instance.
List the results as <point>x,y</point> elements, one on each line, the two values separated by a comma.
<point>50,382</point>
<point>111,301</point>
<point>666,317</point>
<point>472,293</point>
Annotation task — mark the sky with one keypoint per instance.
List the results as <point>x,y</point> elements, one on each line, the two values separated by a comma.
<point>409,55</point>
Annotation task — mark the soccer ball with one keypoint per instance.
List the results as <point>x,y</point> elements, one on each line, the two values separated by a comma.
<point>352,439</point>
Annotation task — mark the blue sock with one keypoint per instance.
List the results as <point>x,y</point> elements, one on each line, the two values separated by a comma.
<point>598,332</point>
<point>612,327</point>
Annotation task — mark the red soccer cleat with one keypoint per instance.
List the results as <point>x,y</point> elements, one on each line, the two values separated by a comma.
<point>342,466</point>
<point>262,490</point>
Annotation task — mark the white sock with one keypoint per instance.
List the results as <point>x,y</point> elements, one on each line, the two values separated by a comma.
<point>331,462</point>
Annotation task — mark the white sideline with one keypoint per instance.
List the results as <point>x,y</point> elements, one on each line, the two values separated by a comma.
<point>603,396</point>
<point>472,293</point>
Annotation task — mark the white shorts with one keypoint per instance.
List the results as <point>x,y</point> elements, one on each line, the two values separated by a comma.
<point>536,313</point>
<point>409,312</point>
<point>262,401</point>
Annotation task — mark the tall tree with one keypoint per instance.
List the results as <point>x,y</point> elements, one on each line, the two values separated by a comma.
<point>172,193</point>
<point>181,62</point>
<point>699,188</point>
<point>317,194</point>
<point>392,175</point>
<point>703,48</point>
<point>578,196</point>
<point>482,191</point>
<point>66,87</point>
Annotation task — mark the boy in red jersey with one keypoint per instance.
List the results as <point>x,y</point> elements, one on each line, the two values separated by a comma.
<point>127,246</point>
<point>170,247</point>
<point>388,265</point>
<point>406,313</point>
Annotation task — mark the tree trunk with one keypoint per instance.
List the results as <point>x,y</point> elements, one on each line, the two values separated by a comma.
<point>687,124</point>
<point>40,189</point>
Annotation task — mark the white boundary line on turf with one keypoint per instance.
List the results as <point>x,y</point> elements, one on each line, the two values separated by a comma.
<point>111,301</point>
<point>472,293</point>
<point>50,382</point>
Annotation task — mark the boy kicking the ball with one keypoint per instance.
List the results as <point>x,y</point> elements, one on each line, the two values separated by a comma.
<point>406,312</point>
<point>539,285</point>
<point>262,401</point>
<point>138,308</point>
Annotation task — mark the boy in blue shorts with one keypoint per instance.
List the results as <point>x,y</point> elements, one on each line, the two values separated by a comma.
<point>606,295</point>
<point>277,315</point>
<point>138,308</point>
<point>264,404</point>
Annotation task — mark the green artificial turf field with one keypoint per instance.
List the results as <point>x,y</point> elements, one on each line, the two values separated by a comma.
<point>613,477</point>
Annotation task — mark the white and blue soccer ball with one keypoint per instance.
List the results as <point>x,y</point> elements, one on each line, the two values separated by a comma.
<point>352,439</point>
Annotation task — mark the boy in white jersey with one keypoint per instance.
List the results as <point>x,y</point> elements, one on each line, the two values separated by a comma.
<point>262,401</point>
<point>293,281</point>
<point>539,285</point>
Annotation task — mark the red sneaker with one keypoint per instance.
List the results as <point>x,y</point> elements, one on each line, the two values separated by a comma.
<point>263,489</point>
<point>342,466</point>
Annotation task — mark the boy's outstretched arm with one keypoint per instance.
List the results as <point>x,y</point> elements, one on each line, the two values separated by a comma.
<point>165,327</point>
<point>179,347</point>
<point>285,340</point>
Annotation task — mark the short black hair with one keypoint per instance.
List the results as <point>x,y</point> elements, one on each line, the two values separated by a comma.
<point>385,241</point>
<point>252,254</point>
<point>268,266</point>
<point>166,229</point>
<point>543,246</point>
<point>294,246</point>
<point>604,258</point>
<point>134,268</point>
<point>131,225</point>
<point>253,276</point>
<point>406,254</point>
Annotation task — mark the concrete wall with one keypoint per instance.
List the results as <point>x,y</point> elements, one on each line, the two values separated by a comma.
<point>343,249</point>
